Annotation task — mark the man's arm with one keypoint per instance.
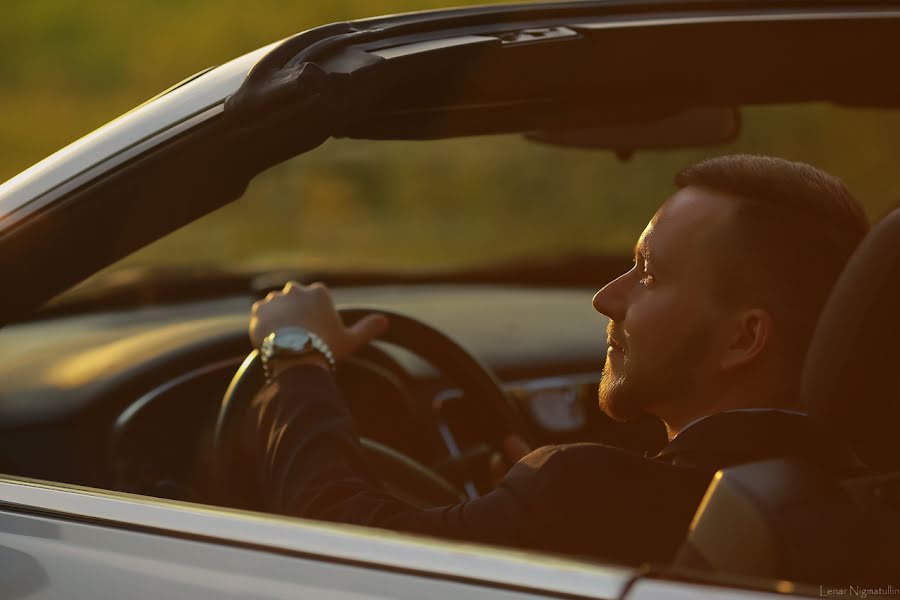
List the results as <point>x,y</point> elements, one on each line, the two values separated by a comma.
<point>308,462</point>
<point>304,448</point>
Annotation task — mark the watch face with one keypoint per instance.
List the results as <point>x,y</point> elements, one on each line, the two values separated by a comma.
<point>291,341</point>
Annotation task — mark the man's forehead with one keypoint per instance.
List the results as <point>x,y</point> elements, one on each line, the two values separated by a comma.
<point>687,217</point>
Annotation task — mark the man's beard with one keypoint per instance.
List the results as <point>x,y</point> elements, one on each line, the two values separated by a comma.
<point>621,397</point>
<point>633,390</point>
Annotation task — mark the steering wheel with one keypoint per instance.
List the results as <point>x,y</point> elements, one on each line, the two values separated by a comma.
<point>399,473</point>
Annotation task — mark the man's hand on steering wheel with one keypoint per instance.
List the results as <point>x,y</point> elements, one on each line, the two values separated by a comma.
<point>311,307</point>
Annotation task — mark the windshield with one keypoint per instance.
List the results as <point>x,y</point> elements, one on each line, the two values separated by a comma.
<point>459,204</point>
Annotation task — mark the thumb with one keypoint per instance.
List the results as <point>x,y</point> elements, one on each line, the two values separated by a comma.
<point>498,467</point>
<point>515,448</point>
<point>366,329</point>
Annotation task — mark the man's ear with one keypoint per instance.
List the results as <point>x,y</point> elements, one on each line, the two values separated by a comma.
<point>751,332</point>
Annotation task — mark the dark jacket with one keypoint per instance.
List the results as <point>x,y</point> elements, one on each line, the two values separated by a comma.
<point>584,499</point>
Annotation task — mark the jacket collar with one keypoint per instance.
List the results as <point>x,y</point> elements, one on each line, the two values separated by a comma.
<point>736,437</point>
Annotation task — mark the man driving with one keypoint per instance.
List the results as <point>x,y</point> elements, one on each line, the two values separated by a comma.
<point>707,332</point>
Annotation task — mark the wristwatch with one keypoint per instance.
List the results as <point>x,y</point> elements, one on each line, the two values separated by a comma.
<point>291,342</point>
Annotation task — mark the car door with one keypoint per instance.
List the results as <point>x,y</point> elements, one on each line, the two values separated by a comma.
<point>60,541</point>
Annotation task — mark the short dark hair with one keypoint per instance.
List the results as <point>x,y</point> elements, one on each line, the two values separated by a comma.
<point>793,230</point>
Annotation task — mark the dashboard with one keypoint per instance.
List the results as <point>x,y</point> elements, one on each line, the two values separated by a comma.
<point>126,400</point>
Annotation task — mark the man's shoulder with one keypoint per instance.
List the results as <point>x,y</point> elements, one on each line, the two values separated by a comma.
<point>607,492</point>
<point>583,462</point>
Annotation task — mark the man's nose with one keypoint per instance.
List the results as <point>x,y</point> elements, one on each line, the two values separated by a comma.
<point>611,300</point>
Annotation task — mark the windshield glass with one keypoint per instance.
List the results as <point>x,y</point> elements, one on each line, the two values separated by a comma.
<point>449,205</point>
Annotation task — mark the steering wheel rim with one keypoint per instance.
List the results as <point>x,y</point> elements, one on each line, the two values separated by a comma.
<point>445,354</point>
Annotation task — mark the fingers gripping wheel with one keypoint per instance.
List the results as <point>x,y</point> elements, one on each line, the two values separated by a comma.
<point>401,474</point>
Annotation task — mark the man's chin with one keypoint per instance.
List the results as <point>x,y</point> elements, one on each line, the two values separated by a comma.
<point>615,411</point>
<point>615,400</point>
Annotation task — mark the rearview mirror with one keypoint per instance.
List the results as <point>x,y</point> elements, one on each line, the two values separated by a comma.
<point>707,126</point>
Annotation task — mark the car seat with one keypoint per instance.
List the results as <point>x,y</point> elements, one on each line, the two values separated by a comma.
<point>793,519</point>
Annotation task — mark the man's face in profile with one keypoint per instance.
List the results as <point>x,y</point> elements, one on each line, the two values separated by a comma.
<point>664,313</point>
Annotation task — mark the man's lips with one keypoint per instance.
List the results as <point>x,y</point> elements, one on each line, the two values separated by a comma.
<point>613,345</point>
<point>615,356</point>
<point>613,338</point>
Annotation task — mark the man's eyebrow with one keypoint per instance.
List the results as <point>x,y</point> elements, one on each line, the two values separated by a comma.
<point>640,249</point>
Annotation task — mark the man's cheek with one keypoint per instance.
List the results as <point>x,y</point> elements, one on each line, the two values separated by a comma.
<point>660,319</point>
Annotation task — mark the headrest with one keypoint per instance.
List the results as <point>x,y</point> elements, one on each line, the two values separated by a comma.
<point>851,378</point>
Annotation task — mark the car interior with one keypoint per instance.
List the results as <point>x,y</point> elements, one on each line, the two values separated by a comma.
<point>133,374</point>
